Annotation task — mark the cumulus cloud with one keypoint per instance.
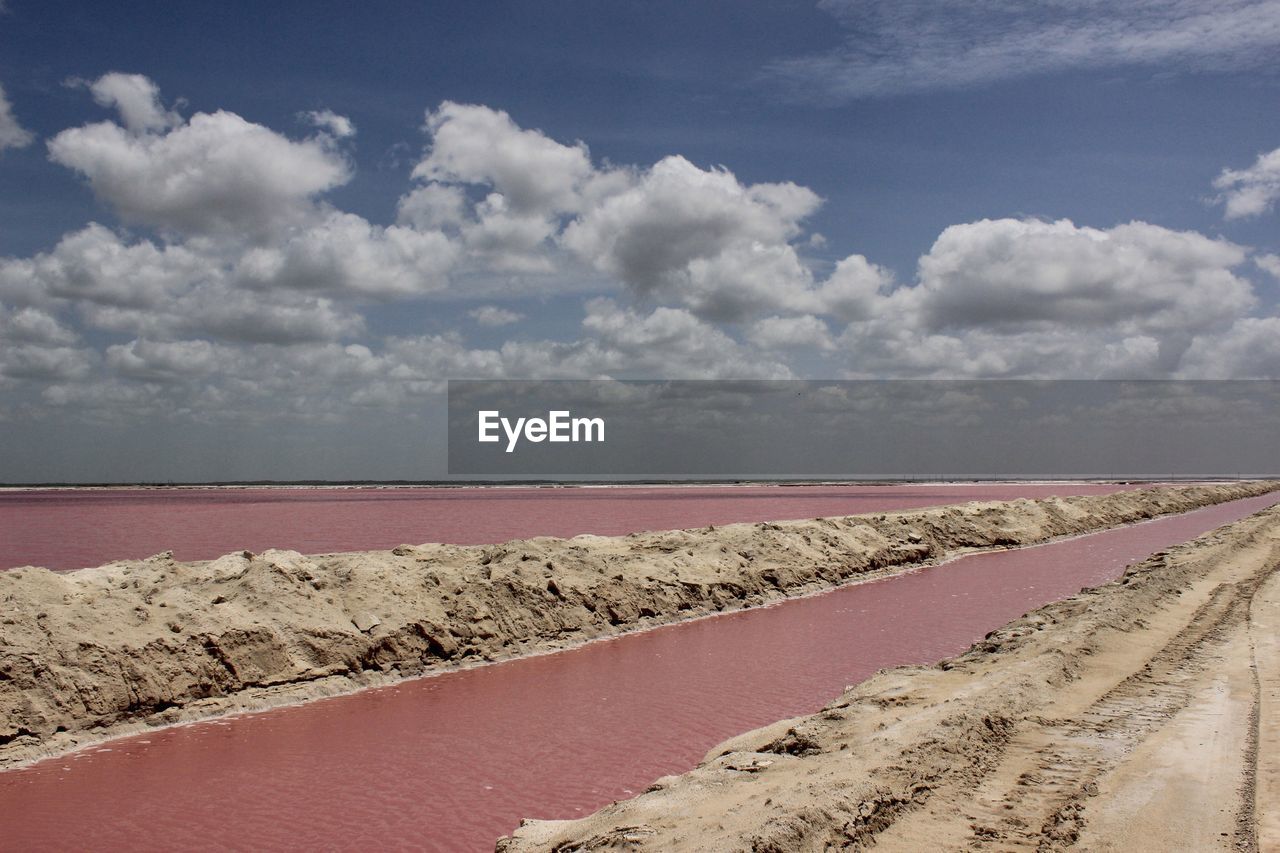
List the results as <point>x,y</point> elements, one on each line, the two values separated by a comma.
<point>109,400</point>
<point>493,316</point>
<point>1249,349</point>
<point>215,173</point>
<point>194,378</point>
<point>433,206</point>
<point>345,254</point>
<point>1052,299</point>
<point>805,331</point>
<point>249,297</point>
<point>893,347</point>
<point>677,214</point>
<point>504,239</point>
<point>701,236</point>
<point>164,360</point>
<point>33,326</point>
<point>36,345</point>
<point>1269,264</point>
<point>249,293</point>
<point>520,202</point>
<point>852,289</point>
<point>339,126</point>
<point>46,363</point>
<point>12,134</point>
<point>1252,191</point>
<point>666,343</point>
<point>137,99</point>
<point>615,342</point>
<point>282,319</point>
<point>525,183</point>
<point>472,144</point>
<point>95,265</point>
<point>897,46</point>
<point>144,288</point>
<point>1009,272</point>
<point>279,320</point>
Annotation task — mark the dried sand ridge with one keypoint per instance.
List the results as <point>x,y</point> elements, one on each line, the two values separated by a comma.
<point>105,651</point>
<point>1141,715</point>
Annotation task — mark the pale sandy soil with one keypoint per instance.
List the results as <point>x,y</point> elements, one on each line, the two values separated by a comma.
<point>1140,716</point>
<point>112,650</point>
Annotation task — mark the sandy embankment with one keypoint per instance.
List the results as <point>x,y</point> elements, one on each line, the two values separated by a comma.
<point>1140,715</point>
<point>105,651</point>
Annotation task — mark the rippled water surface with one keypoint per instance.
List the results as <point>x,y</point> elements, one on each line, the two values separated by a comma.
<point>69,529</point>
<point>453,761</point>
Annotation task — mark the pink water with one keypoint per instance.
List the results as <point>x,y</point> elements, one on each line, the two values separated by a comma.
<point>69,529</point>
<point>453,761</point>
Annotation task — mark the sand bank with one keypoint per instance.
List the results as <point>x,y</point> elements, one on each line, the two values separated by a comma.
<point>114,649</point>
<point>1141,715</point>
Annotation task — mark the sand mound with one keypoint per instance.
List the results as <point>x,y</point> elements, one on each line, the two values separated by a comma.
<point>104,651</point>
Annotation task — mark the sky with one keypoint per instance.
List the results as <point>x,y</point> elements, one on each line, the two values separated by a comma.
<point>251,241</point>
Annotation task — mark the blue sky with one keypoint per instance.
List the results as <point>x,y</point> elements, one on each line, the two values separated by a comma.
<point>314,212</point>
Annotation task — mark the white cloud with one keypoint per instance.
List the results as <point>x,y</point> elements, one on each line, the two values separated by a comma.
<point>472,144</point>
<point>240,316</point>
<point>345,254</point>
<point>12,134</point>
<point>518,201</point>
<point>674,215</point>
<point>805,331</point>
<point>137,99</point>
<point>216,310</point>
<point>502,238</point>
<point>249,300</point>
<point>112,400</point>
<point>164,360</point>
<point>851,290</point>
<point>892,347</point>
<point>896,46</point>
<point>668,343</point>
<point>525,182</point>
<point>433,206</point>
<point>616,342</point>
<point>45,363</point>
<point>1269,264</point>
<point>1250,349</point>
<point>1252,191</point>
<point>493,316</point>
<point>147,289</point>
<point>1015,273</point>
<point>245,301</point>
<point>213,174</point>
<point>95,265</point>
<point>1051,299</point>
<point>33,326</point>
<point>339,126</point>
<point>700,236</point>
